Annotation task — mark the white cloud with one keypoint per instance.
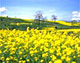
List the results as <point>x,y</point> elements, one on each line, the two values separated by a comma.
<point>59,17</point>
<point>79,14</point>
<point>50,11</point>
<point>75,15</point>
<point>25,17</point>
<point>2,9</point>
<point>4,15</point>
<point>75,12</point>
<point>74,19</point>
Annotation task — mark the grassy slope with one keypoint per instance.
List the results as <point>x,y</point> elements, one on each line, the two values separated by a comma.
<point>20,24</point>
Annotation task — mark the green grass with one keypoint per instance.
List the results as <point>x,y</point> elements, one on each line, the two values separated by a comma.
<point>11,23</point>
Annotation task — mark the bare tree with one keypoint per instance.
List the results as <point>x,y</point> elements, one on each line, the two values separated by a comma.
<point>53,18</point>
<point>39,16</point>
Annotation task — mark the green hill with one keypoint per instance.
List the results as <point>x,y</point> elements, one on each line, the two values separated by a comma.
<point>22,24</point>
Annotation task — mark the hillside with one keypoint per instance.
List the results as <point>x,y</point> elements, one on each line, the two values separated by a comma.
<point>22,24</point>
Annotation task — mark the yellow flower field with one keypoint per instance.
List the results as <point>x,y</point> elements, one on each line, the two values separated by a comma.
<point>39,46</point>
<point>66,23</point>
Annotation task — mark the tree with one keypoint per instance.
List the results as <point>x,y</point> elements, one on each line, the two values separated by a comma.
<point>39,16</point>
<point>54,18</point>
<point>74,22</point>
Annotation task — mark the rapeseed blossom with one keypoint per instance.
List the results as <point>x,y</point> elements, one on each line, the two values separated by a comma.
<point>39,46</point>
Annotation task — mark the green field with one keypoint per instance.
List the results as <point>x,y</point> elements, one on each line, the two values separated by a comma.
<point>22,24</point>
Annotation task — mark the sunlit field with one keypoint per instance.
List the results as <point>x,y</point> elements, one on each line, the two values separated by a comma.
<point>35,46</point>
<point>23,41</point>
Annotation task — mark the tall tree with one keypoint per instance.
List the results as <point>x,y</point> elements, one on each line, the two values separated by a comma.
<point>39,16</point>
<point>53,18</point>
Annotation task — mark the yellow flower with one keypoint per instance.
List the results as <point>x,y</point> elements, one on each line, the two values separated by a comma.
<point>20,52</point>
<point>53,58</point>
<point>23,61</point>
<point>63,57</point>
<point>51,50</point>
<point>31,52</point>
<point>44,54</point>
<point>35,51</point>
<point>7,59</point>
<point>2,58</point>
<point>11,57</point>
<point>50,61</point>
<point>0,51</point>
<point>18,24</point>
<point>35,58</point>
<point>27,60</point>
<point>20,61</point>
<point>41,60</point>
<point>58,61</point>
<point>73,62</point>
<point>68,59</point>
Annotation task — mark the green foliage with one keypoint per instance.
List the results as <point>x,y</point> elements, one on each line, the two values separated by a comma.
<point>21,24</point>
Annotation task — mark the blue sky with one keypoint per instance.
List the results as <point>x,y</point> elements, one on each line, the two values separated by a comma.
<point>27,8</point>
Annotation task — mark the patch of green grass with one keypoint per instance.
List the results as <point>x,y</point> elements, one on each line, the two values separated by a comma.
<point>5,22</point>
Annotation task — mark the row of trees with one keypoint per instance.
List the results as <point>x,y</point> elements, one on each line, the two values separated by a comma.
<point>39,16</point>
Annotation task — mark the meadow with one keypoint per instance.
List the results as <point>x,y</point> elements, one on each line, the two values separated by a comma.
<point>27,41</point>
<point>22,24</point>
